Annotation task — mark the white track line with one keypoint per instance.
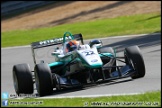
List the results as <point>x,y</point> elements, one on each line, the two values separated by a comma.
<point>91,39</point>
<point>89,96</point>
<point>27,46</point>
<point>84,96</point>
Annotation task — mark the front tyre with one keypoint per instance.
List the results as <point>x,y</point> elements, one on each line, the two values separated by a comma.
<point>134,58</point>
<point>43,79</point>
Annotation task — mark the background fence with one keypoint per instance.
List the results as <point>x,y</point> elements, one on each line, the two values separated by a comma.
<point>14,7</point>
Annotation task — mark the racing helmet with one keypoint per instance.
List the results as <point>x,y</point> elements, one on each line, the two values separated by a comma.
<point>95,42</point>
<point>72,45</point>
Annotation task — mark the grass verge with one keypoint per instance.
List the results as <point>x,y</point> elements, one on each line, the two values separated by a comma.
<point>124,25</point>
<point>148,99</point>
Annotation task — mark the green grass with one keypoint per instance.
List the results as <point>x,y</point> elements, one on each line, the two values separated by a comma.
<point>124,25</point>
<point>148,99</point>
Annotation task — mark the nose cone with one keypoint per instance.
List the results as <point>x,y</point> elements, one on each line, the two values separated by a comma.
<point>97,65</point>
<point>90,58</point>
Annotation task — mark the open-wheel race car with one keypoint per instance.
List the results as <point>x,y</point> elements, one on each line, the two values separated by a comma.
<point>76,64</point>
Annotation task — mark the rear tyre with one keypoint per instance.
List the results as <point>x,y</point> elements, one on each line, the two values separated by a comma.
<point>43,79</point>
<point>22,78</point>
<point>134,58</point>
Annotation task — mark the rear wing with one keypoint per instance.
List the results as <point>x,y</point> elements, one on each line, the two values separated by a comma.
<point>51,42</point>
<point>54,41</point>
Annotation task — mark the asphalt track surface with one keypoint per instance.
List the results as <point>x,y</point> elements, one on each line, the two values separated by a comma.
<point>150,45</point>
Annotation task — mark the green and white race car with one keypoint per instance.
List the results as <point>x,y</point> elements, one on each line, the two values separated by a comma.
<point>83,65</point>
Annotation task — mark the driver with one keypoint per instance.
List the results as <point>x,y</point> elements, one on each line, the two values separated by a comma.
<point>72,45</point>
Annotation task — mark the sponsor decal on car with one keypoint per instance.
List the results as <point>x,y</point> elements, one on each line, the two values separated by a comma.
<point>94,60</point>
<point>56,40</point>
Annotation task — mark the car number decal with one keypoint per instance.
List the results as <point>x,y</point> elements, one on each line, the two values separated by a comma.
<point>88,53</point>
